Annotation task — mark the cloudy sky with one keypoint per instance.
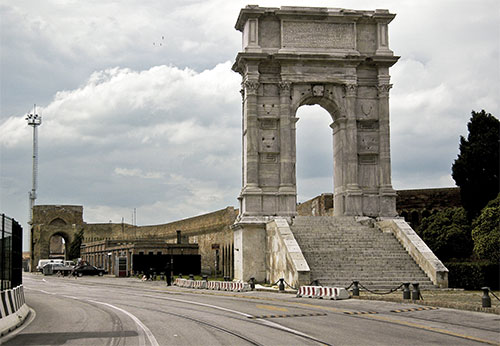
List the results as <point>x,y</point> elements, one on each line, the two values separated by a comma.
<point>141,109</point>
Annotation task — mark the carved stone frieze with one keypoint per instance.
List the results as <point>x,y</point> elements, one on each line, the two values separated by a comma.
<point>318,90</point>
<point>368,142</point>
<point>268,141</point>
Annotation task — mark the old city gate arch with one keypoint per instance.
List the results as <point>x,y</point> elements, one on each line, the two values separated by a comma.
<point>336,58</point>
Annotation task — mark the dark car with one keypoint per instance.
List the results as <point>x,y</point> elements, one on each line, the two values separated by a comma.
<point>87,269</point>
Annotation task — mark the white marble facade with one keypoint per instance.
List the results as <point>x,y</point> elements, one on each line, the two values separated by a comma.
<point>339,59</point>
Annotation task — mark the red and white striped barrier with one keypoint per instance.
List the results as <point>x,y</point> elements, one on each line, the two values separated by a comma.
<point>321,292</point>
<point>307,291</point>
<point>213,285</point>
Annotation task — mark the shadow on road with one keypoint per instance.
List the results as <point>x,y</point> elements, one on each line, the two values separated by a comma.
<point>61,338</point>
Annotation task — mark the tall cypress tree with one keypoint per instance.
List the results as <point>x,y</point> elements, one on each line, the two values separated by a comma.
<point>476,169</point>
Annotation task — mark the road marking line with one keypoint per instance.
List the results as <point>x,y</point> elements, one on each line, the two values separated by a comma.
<point>290,315</point>
<point>404,323</point>
<point>146,330</point>
<point>263,321</point>
<point>149,334</point>
<point>415,309</point>
<point>271,307</point>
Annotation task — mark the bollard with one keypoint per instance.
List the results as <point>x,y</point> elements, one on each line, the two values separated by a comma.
<point>191,277</point>
<point>205,277</point>
<point>226,278</point>
<point>180,275</point>
<point>355,289</point>
<point>486,300</point>
<point>415,294</point>
<point>252,283</point>
<point>315,282</point>
<point>406,290</point>
<point>281,285</point>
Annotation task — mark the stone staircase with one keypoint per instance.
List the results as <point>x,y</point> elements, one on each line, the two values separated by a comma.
<point>340,250</point>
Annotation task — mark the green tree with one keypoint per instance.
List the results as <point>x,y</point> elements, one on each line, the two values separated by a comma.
<point>448,234</point>
<point>486,232</point>
<point>74,246</point>
<point>476,170</point>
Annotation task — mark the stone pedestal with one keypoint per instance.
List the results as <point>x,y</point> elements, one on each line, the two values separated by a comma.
<point>250,250</point>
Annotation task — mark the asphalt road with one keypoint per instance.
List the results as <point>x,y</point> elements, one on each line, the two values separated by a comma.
<point>126,311</point>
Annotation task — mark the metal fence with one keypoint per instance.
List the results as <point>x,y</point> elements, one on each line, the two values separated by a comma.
<point>10,253</point>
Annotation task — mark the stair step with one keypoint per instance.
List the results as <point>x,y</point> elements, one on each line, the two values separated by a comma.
<point>340,250</point>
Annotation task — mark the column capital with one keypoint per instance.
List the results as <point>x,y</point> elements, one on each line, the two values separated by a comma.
<point>350,89</point>
<point>383,90</point>
<point>251,87</point>
<point>285,87</point>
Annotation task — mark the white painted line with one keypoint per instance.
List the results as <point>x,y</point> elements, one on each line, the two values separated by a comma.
<point>263,321</point>
<point>146,330</point>
<point>151,337</point>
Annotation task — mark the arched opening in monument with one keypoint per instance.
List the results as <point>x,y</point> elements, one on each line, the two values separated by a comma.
<point>314,153</point>
<point>57,246</point>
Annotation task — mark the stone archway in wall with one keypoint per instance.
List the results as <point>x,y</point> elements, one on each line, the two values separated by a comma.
<point>294,56</point>
<point>58,245</point>
<point>51,222</point>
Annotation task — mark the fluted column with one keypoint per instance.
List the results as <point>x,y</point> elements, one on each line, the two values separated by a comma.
<point>351,179</point>
<point>286,157</point>
<point>384,135</point>
<point>387,193</point>
<point>250,128</point>
<point>352,203</point>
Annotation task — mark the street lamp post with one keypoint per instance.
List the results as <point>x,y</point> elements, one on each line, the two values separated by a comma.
<point>34,120</point>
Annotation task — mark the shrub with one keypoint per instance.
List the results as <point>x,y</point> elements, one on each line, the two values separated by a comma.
<point>486,232</point>
<point>473,275</point>
<point>447,233</point>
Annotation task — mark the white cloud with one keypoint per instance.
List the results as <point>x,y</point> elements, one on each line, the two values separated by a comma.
<point>130,124</point>
<point>137,172</point>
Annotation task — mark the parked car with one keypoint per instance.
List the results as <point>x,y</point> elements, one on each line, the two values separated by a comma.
<point>87,269</point>
<point>43,262</point>
<point>69,263</point>
<point>56,268</point>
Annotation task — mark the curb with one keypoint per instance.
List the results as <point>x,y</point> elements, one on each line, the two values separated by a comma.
<point>11,322</point>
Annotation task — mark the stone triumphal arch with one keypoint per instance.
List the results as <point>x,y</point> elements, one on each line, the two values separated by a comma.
<point>294,56</point>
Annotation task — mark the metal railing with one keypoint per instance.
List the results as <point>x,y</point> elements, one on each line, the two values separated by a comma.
<point>10,253</point>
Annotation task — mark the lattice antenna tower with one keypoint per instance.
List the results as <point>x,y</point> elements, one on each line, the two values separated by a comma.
<point>34,120</point>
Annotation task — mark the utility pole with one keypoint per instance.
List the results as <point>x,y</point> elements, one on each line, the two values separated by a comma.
<point>34,120</point>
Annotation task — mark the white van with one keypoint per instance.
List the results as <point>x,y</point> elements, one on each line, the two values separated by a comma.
<point>43,262</point>
<point>69,263</point>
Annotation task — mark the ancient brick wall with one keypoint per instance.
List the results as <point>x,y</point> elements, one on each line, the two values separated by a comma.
<point>211,231</point>
<point>413,205</point>
<point>321,205</point>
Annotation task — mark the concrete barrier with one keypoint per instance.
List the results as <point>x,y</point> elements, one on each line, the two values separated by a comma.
<point>13,309</point>
<point>321,292</point>
<point>306,291</point>
<point>213,285</point>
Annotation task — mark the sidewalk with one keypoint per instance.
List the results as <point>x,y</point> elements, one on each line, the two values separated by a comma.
<point>445,298</point>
